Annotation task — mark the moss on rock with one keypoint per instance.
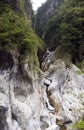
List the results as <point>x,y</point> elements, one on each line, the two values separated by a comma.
<point>16,33</point>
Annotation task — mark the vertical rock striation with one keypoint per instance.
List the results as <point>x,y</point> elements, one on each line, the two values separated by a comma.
<point>29,101</point>
<point>45,12</point>
<point>17,5</point>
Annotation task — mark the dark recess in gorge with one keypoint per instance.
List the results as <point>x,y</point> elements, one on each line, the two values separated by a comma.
<point>6,60</point>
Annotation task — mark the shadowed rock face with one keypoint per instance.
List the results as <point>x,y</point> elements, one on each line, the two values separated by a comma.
<point>28,8</point>
<point>3,123</point>
<point>15,4</point>
<point>45,12</point>
<point>58,89</point>
<point>6,60</point>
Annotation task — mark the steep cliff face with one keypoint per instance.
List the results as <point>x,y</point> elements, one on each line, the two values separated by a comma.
<point>19,65</point>
<point>18,42</point>
<point>55,99</point>
<point>15,30</point>
<point>65,29</point>
<point>45,12</point>
<point>17,6</point>
<point>30,98</point>
<point>28,8</point>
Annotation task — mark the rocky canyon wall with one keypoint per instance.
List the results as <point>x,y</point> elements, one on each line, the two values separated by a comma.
<point>45,12</point>
<point>34,98</point>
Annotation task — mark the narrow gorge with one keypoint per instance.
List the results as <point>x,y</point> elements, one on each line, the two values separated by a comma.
<point>42,65</point>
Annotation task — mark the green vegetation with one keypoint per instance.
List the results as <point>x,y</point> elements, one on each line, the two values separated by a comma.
<point>16,33</point>
<point>81,66</point>
<point>79,125</point>
<point>66,28</point>
<point>80,72</point>
<point>61,53</point>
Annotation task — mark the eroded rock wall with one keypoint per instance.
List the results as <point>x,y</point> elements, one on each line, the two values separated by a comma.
<point>29,101</point>
<point>45,12</point>
<point>57,98</point>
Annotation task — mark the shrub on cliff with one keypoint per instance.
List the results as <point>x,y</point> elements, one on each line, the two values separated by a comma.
<point>79,125</point>
<point>66,27</point>
<point>16,32</point>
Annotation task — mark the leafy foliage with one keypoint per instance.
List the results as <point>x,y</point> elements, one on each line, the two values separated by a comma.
<point>79,125</point>
<point>16,32</point>
<point>66,28</point>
